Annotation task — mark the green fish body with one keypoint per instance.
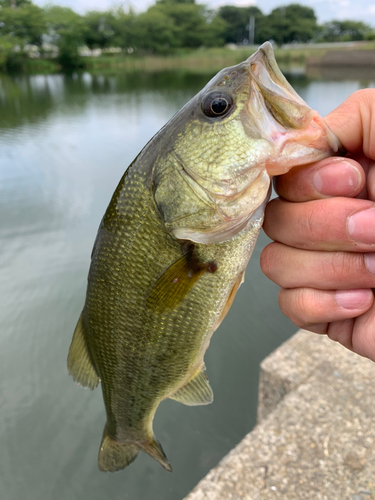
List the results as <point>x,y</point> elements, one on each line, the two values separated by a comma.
<point>173,245</point>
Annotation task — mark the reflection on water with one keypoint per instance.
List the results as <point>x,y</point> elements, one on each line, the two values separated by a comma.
<point>64,144</point>
<point>26,100</point>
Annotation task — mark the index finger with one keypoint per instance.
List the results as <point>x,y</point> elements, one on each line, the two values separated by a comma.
<point>330,177</point>
<point>354,124</point>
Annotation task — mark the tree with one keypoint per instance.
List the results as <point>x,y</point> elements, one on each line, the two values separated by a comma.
<point>21,24</point>
<point>155,32</point>
<point>14,3</point>
<point>174,2</point>
<point>125,28</point>
<point>213,35</point>
<point>66,29</point>
<point>237,20</point>
<point>100,29</point>
<point>188,19</point>
<point>25,22</point>
<point>291,23</point>
<point>10,59</point>
<point>338,31</point>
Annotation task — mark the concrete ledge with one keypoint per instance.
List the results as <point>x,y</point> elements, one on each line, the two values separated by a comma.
<point>291,365</point>
<point>316,436</point>
<point>344,58</point>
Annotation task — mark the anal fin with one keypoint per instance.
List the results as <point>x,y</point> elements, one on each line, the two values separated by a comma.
<point>80,366</point>
<point>196,392</point>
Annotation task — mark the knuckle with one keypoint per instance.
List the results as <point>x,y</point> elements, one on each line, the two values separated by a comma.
<point>338,269</point>
<point>271,215</point>
<point>317,220</point>
<point>371,181</point>
<point>303,303</point>
<point>283,185</point>
<point>293,304</point>
<point>265,264</point>
<point>341,331</point>
<point>269,260</point>
<point>304,306</point>
<point>363,95</point>
<point>365,101</point>
<point>343,266</point>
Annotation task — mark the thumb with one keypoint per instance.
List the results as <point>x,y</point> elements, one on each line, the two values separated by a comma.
<point>354,122</point>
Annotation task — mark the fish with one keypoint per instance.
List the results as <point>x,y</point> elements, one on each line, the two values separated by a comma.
<point>173,245</point>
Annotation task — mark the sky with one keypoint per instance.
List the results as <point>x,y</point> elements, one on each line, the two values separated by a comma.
<point>325,10</point>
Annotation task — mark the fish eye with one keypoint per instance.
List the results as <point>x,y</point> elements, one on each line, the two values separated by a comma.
<point>217,104</point>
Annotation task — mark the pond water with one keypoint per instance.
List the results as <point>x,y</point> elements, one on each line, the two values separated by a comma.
<point>65,141</point>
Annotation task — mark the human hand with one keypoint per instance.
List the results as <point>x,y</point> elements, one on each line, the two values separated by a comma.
<point>323,226</point>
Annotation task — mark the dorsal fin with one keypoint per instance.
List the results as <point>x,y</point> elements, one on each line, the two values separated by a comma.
<point>196,392</point>
<point>80,366</point>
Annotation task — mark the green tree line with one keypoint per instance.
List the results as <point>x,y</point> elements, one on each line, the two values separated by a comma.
<point>166,26</point>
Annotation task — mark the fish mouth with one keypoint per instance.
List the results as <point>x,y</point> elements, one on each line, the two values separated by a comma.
<point>298,134</point>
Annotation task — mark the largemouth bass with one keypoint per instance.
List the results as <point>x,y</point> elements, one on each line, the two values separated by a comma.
<point>173,245</point>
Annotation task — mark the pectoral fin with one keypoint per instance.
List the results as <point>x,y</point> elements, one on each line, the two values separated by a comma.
<point>80,366</point>
<point>196,392</point>
<point>175,282</point>
<point>230,299</point>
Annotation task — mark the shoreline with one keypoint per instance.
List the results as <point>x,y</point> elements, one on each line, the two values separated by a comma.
<point>206,60</point>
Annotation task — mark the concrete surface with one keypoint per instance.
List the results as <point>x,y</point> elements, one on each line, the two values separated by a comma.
<point>316,434</point>
<point>344,58</point>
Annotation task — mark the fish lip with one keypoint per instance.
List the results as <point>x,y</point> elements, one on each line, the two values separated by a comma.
<point>264,57</point>
<point>285,118</point>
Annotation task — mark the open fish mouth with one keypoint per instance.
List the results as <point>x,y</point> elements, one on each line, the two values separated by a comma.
<point>279,115</point>
<point>261,127</point>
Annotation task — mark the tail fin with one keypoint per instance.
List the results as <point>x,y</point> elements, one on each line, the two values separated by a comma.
<point>114,456</point>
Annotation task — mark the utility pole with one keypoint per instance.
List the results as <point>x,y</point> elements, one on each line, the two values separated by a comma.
<point>251,30</point>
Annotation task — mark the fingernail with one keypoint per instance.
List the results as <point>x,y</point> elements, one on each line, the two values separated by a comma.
<point>352,299</point>
<point>361,226</point>
<point>370,262</point>
<point>337,179</point>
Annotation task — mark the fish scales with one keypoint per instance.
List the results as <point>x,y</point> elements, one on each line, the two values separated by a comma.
<point>173,245</point>
<point>129,334</point>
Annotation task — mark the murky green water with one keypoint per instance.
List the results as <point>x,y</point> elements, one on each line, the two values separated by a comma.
<point>64,144</point>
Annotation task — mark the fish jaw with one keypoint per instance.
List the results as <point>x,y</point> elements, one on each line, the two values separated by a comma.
<point>301,147</point>
<point>297,133</point>
<point>225,163</point>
